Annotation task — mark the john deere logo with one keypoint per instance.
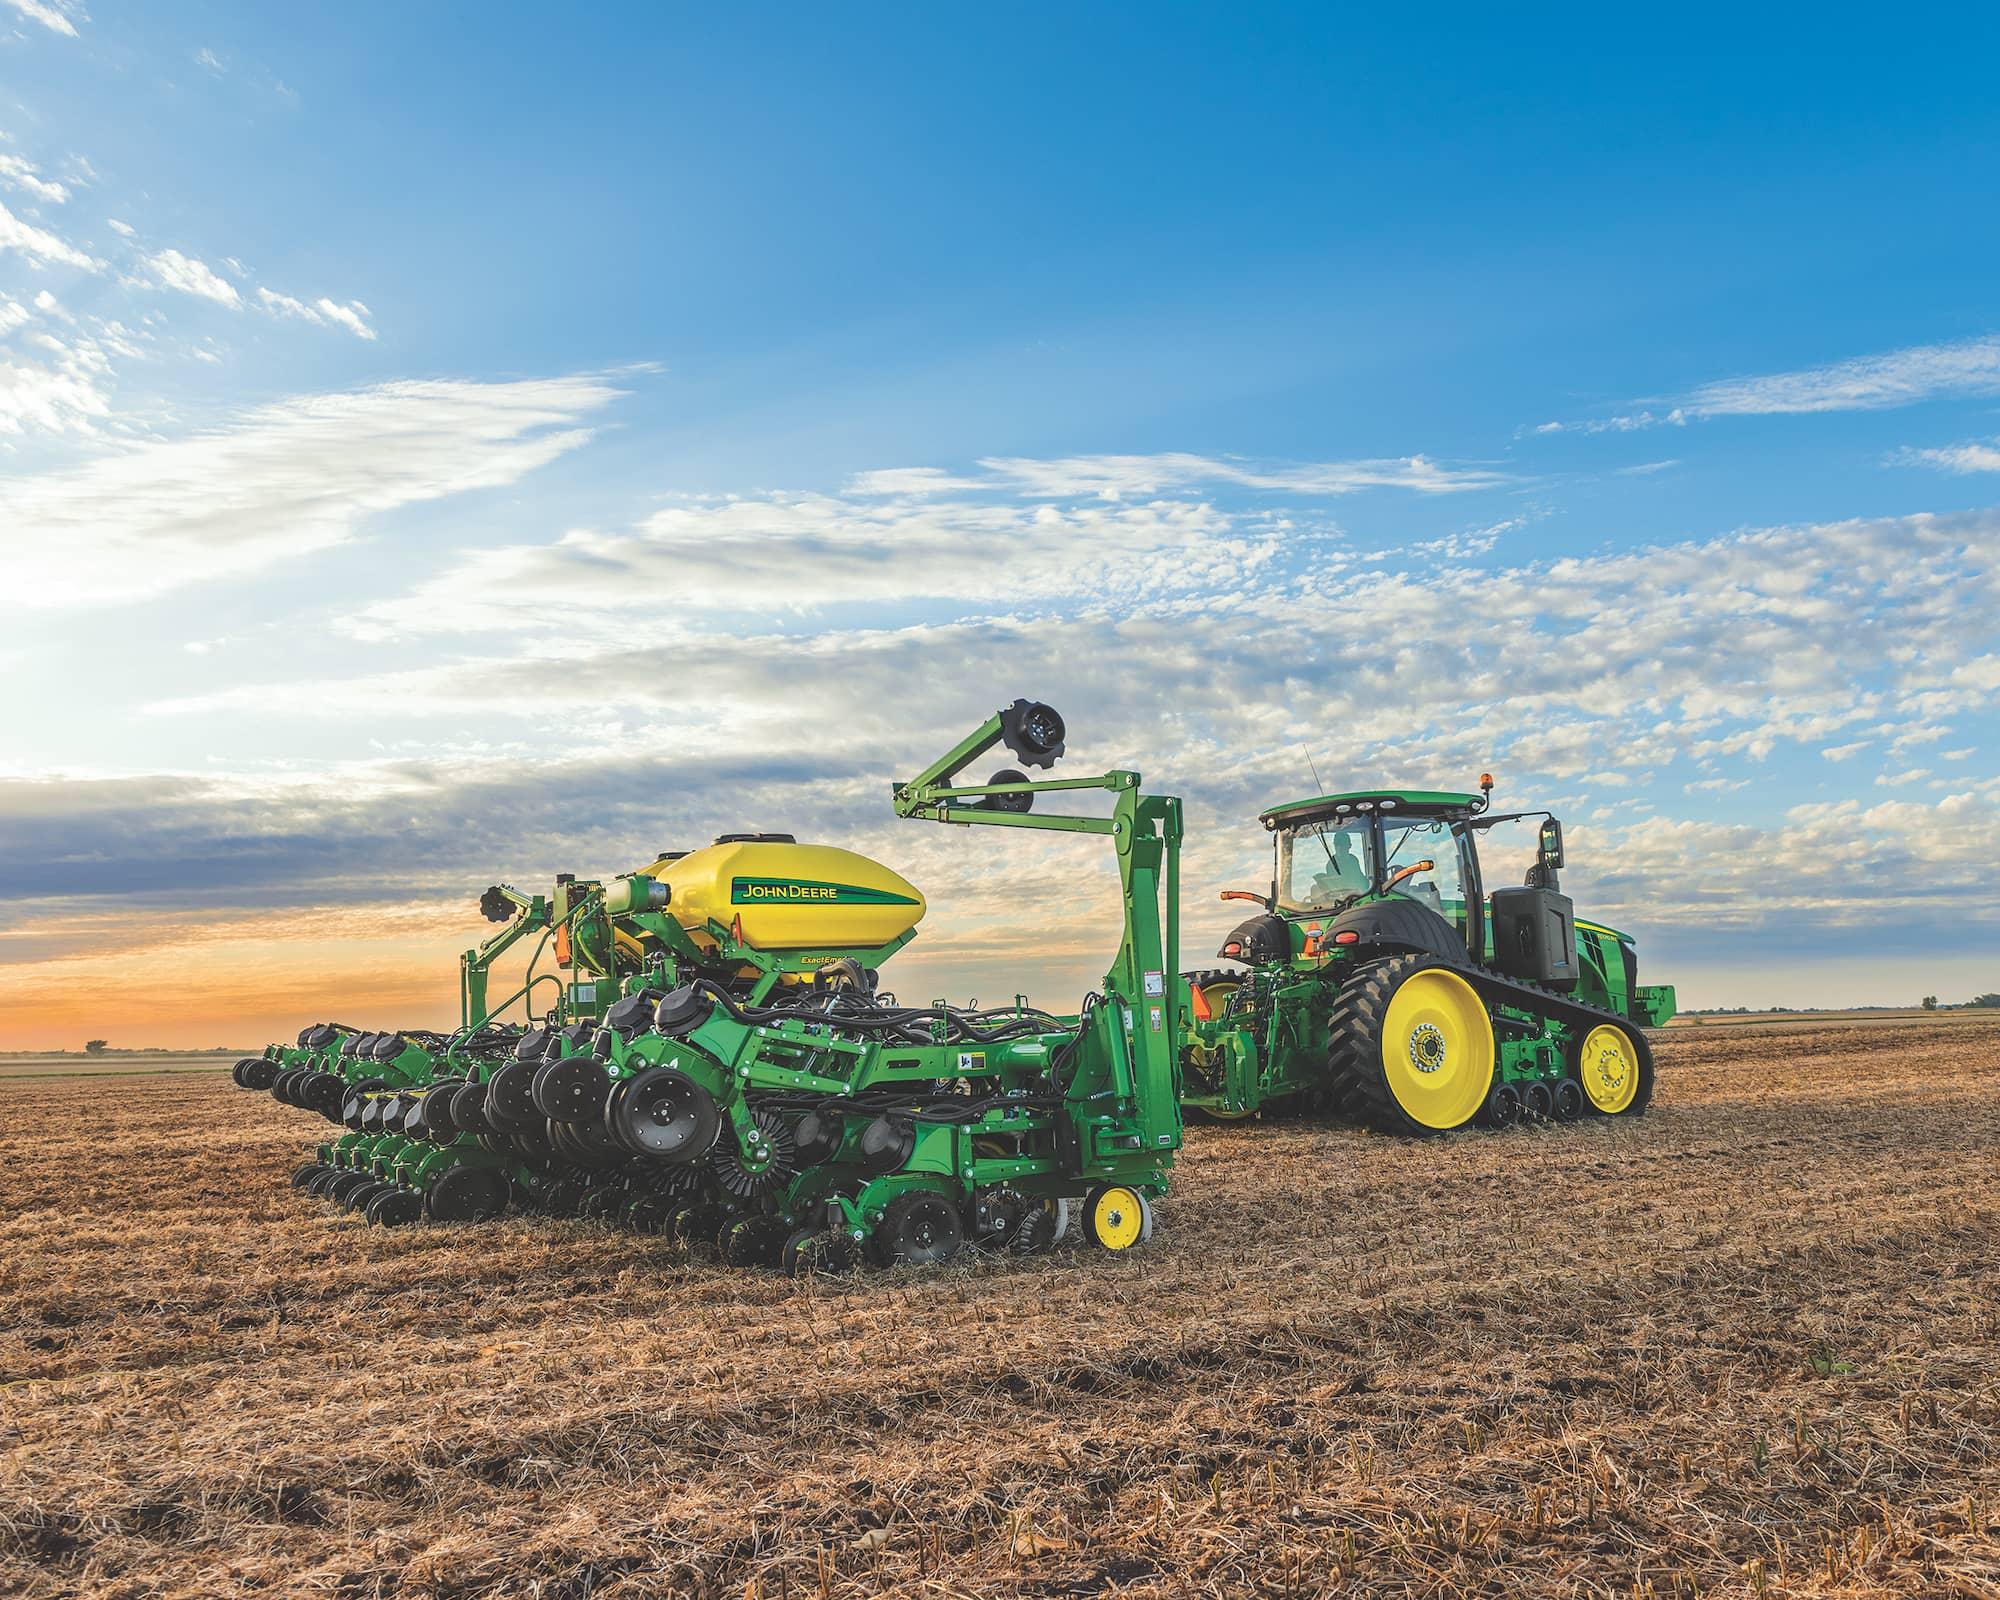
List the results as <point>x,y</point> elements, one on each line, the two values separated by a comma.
<point>799,892</point>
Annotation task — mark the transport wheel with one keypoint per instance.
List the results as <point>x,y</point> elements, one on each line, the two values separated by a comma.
<point>665,1114</point>
<point>395,1208</point>
<point>919,1229</point>
<point>818,1251</point>
<point>1566,1100</point>
<point>1502,1108</point>
<point>1537,1102</point>
<point>467,1194</point>
<point>1615,1069</point>
<point>1116,1217</point>
<point>306,1174</point>
<point>1411,1047</point>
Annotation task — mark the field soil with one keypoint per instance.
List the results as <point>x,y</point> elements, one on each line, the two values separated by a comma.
<point>1749,1344</point>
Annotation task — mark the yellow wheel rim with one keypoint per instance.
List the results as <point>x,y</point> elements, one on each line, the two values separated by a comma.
<point>1117,1218</point>
<point>1609,1068</point>
<point>1437,1049</point>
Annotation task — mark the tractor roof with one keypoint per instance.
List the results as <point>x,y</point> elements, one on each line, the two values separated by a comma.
<point>1424,802</point>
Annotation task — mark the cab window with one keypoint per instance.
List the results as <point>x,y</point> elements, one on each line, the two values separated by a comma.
<point>1439,885</point>
<point>1323,863</point>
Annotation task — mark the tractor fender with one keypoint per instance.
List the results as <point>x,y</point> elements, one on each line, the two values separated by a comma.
<point>1395,926</point>
<point>1262,939</point>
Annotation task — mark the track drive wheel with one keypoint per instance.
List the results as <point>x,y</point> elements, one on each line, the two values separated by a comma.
<point>1412,1047</point>
<point>919,1228</point>
<point>1614,1067</point>
<point>1116,1217</point>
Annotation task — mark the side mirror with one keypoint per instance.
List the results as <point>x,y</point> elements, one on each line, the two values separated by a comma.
<point>1552,844</point>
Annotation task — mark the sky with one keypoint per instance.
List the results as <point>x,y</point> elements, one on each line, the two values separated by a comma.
<point>451,444</point>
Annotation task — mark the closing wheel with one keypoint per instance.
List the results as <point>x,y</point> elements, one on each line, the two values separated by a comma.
<point>813,1251</point>
<point>1116,1217</point>
<point>665,1114</point>
<point>1615,1070</point>
<point>395,1208</point>
<point>919,1228</point>
<point>306,1174</point>
<point>754,1241</point>
<point>467,1194</point>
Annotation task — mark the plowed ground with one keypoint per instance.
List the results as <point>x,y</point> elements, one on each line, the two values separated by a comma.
<point>1748,1344</point>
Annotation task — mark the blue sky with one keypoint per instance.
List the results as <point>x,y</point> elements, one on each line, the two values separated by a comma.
<point>439,443</point>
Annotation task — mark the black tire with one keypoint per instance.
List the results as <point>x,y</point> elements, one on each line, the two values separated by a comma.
<point>919,1228</point>
<point>1359,1086</point>
<point>1537,1102</point>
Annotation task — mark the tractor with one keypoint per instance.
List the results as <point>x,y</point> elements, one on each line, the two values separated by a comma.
<point>1383,981</point>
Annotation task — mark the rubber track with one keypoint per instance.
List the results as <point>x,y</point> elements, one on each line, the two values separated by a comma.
<point>1357,1087</point>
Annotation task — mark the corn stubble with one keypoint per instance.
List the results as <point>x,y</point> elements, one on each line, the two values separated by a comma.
<point>1744,1346</point>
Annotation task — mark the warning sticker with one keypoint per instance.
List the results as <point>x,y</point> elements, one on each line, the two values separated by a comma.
<point>1156,985</point>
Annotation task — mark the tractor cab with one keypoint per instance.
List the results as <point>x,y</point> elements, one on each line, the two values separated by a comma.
<point>1404,851</point>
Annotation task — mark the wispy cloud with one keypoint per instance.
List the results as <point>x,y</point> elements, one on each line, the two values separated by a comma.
<point>276,483</point>
<point>61,16</point>
<point>1115,477</point>
<point>1977,456</point>
<point>172,270</point>
<point>24,177</point>
<point>1869,383</point>
<point>1866,383</point>
<point>39,245</point>
<point>352,316</point>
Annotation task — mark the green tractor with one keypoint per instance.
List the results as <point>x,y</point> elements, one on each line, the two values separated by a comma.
<point>1384,981</point>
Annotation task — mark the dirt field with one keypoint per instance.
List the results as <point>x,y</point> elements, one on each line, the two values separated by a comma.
<point>1748,1345</point>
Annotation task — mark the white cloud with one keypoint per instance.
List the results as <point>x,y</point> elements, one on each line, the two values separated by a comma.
<point>67,394</point>
<point>1978,456</point>
<point>1116,477</point>
<point>276,483</point>
<point>205,57</point>
<point>13,315</point>
<point>1897,780</point>
<point>1869,383</point>
<point>172,270</point>
<point>38,244</point>
<point>125,228</point>
<point>60,15</point>
<point>1840,752</point>
<point>352,316</point>
<point>24,177</point>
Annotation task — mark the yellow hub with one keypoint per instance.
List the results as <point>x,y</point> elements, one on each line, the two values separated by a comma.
<point>1608,1064</point>
<point>1437,1049</point>
<point>1116,1217</point>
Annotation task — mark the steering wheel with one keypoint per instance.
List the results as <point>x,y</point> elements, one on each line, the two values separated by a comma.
<point>1408,872</point>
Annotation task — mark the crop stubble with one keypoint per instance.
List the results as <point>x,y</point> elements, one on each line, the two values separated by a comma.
<point>1745,1345</point>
